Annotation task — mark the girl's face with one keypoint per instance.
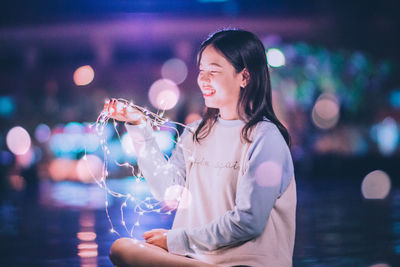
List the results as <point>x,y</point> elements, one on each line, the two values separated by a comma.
<point>219,82</point>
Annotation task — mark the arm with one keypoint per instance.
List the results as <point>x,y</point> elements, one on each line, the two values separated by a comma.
<point>257,191</point>
<point>159,172</point>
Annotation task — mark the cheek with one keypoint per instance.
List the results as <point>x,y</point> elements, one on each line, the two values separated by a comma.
<point>230,87</point>
<point>198,80</point>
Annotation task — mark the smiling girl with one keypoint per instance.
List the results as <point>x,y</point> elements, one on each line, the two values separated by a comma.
<point>235,169</point>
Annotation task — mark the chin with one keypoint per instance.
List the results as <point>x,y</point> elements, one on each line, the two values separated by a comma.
<point>209,104</point>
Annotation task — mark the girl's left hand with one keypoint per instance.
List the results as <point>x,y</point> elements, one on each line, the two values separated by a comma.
<point>157,237</point>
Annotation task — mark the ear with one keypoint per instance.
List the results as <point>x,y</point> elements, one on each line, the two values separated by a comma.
<point>245,78</point>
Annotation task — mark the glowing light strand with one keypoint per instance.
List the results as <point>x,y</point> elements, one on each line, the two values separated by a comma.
<point>149,204</point>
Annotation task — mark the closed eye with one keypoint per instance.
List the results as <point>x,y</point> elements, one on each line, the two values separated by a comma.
<point>210,71</point>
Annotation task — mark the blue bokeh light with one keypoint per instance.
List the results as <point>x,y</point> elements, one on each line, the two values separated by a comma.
<point>7,106</point>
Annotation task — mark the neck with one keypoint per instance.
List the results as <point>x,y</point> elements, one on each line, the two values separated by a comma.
<point>228,114</point>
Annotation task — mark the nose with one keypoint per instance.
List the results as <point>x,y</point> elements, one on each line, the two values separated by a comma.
<point>204,77</point>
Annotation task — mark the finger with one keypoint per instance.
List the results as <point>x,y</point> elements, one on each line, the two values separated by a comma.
<point>148,234</point>
<point>155,231</point>
<point>110,104</point>
<point>150,241</point>
<point>120,106</point>
<point>159,230</point>
<point>113,107</point>
<point>106,103</point>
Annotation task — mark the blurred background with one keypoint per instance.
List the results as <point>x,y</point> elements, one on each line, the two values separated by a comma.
<point>336,86</point>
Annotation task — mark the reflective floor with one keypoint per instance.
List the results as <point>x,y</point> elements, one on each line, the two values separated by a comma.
<point>65,224</point>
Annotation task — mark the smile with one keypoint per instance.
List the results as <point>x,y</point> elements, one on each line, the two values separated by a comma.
<point>208,92</point>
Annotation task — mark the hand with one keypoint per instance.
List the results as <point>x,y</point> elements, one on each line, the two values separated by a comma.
<point>121,112</point>
<point>157,237</point>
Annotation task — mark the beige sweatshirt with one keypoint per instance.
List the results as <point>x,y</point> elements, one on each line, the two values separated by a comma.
<point>239,203</point>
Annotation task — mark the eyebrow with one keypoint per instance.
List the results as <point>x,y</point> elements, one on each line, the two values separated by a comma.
<point>214,64</point>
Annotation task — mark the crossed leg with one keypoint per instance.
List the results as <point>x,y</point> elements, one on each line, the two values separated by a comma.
<point>126,252</point>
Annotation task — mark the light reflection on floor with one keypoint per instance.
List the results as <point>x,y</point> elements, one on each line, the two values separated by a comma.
<point>64,224</point>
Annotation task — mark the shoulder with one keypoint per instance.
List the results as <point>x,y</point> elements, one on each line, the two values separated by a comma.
<point>193,126</point>
<point>266,138</point>
<point>266,129</point>
<point>190,129</point>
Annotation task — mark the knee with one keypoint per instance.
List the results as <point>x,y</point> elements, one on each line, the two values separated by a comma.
<point>118,249</point>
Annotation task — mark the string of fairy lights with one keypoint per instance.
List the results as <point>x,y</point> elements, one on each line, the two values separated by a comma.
<point>139,206</point>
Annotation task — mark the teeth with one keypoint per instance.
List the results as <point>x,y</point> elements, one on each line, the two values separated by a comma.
<point>209,91</point>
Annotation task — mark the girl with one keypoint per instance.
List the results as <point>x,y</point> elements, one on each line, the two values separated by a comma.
<point>239,202</point>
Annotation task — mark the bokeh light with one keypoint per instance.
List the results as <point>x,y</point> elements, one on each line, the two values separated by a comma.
<point>7,106</point>
<point>86,236</point>
<point>376,185</point>
<point>87,219</point>
<point>192,117</point>
<point>83,246</point>
<point>174,69</point>
<point>18,140</point>
<point>83,75</point>
<point>380,265</point>
<point>89,168</point>
<point>387,135</point>
<point>73,139</point>
<point>71,194</point>
<point>17,182</point>
<point>394,98</point>
<point>274,176</point>
<point>164,94</point>
<point>91,142</point>
<point>275,58</point>
<point>63,143</point>
<point>62,169</point>
<point>25,160</point>
<point>42,133</point>
<point>325,113</point>
<point>88,254</point>
<point>177,195</point>
<point>74,128</point>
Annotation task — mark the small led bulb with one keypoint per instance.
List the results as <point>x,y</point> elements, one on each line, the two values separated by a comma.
<point>120,106</point>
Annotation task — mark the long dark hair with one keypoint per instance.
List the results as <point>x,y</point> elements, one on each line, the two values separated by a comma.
<point>243,50</point>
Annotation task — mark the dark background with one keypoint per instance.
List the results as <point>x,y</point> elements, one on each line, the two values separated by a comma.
<point>349,49</point>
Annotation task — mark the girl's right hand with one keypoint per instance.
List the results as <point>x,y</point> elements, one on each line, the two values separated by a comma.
<point>121,112</point>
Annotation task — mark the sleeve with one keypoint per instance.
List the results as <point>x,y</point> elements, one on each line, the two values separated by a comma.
<point>257,191</point>
<point>159,172</point>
